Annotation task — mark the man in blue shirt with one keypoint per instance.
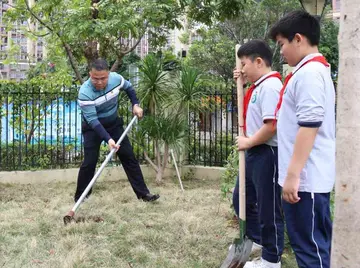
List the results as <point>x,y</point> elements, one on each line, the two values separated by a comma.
<point>98,100</point>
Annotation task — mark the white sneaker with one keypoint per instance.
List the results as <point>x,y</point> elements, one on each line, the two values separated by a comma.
<point>256,250</point>
<point>261,263</point>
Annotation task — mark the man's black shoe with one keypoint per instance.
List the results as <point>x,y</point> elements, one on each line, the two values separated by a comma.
<point>150,197</point>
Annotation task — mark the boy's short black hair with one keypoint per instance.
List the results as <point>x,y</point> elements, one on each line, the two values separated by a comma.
<point>256,48</point>
<point>297,22</point>
<point>99,65</point>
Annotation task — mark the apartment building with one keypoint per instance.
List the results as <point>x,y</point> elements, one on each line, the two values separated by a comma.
<point>15,45</point>
<point>173,38</point>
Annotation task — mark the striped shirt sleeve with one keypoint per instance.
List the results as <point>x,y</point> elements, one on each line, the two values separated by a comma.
<point>130,91</point>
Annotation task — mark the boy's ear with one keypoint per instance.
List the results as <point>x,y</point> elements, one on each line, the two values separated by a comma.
<point>259,60</point>
<point>298,38</point>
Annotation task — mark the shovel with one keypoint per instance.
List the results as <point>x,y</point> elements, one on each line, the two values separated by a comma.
<point>240,250</point>
<point>70,216</point>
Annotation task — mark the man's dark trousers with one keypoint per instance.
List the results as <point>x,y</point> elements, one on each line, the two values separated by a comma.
<point>126,155</point>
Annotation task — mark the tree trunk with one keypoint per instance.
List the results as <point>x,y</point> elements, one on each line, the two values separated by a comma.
<point>73,63</point>
<point>152,164</point>
<point>91,52</point>
<point>159,175</point>
<point>31,132</point>
<point>346,238</point>
<point>117,63</point>
<point>161,165</point>
<point>157,153</point>
<point>166,156</point>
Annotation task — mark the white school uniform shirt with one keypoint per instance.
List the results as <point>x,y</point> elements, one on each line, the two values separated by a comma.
<point>309,101</point>
<point>262,105</point>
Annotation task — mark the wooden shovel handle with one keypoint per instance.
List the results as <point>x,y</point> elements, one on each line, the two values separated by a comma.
<point>240,106</point>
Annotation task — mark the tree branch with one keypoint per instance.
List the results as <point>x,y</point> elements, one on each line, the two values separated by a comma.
<point>38,35</point>
<point>122,53</point>
<point>134,46</point>
<point>36,17</point>
<point>116,64</point>
<point>66,46</point>
<point>72,61</point>
<point>231,32</point>
<point>150,162</point>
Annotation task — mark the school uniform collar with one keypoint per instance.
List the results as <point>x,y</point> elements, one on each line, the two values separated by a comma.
<point>261,79</point>
<point>306,58</point>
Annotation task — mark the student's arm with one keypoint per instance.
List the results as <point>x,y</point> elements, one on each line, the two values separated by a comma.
<point>310,99</point>
<point>268,100</point>
<point>265,133</point>
<point>304,142</point>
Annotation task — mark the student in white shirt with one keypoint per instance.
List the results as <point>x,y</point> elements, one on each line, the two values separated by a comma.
<point>306,136</point>
<point>264,220</point>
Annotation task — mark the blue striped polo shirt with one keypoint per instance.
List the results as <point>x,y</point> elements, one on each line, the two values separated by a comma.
<point>99,107</point>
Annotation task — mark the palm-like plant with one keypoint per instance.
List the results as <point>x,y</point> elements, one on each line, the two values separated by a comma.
<point>190,90</point>
<point>154,83</point>
<point>166,132</point>
<point>168,98</point>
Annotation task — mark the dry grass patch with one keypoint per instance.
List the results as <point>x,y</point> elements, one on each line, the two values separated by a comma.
<point>189,229</point>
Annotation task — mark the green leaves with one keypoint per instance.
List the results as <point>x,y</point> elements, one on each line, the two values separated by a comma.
<point>164,128</point>
<point>329,44</point>
<point>99,28</point>
<point>214,53</point>
<point>154,84</point>
<point>208,11</point>
<point>168,95</point>
<point>189,90</point>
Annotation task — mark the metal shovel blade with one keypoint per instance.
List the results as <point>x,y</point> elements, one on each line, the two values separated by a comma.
<point>239,253</point>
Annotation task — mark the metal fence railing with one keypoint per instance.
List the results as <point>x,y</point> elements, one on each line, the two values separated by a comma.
<point>213,130</point>
<point>39,130</point>
<point>42,130</point>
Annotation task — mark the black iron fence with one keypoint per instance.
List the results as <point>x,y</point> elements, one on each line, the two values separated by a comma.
<point>212,130</point>
<point>42,130</point>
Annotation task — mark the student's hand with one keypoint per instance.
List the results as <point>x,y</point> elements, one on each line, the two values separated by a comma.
<point>238,74</point>
<point>291,188</point>
<point>112,144</point>
<point>138,111</point>
<point>243,143</point>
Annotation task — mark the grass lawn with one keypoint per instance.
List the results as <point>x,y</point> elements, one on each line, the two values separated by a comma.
<point>190,229</point>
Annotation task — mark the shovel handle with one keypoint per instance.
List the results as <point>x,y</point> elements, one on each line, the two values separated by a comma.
<point>240,106</point>
<point>107,159</point>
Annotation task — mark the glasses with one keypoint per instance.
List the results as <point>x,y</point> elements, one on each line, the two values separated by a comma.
<point>102,79</point>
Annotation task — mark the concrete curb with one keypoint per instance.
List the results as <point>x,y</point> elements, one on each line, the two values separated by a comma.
<point>109,174</point>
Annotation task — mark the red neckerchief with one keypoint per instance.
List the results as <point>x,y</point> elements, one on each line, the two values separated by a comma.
<point>320,59</point>
<point>249,92</point>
